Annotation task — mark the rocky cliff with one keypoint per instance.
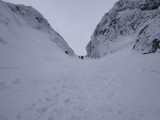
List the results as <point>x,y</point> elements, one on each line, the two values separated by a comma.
<point>129,22</point>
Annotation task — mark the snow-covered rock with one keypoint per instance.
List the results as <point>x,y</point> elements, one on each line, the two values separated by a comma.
<point>148,40</point>
<point>128,18</point>
<point>33,19</point>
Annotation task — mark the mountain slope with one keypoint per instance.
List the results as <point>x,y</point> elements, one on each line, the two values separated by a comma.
<point>128,22</point>
<point>22,17</point>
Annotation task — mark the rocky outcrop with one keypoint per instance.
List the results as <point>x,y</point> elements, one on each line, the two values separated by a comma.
<point>137,20</point>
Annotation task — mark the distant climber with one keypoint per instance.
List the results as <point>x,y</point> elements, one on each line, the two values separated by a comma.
<point>82,57</point>
<point>66,52</point>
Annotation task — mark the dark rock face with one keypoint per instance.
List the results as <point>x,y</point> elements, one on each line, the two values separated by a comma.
<point>148,39</point>
<point>126,18</point>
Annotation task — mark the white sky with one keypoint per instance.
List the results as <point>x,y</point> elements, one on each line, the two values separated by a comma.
<point>74,20</point>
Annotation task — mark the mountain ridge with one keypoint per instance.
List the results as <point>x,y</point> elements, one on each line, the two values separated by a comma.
<point>35,20</point>
<point>127,18</point>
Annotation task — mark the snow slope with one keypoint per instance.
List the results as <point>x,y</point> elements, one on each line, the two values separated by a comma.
<point>38,81</point>
<point>23,17</point>
<point>136,18</point>
<point>122,86</point>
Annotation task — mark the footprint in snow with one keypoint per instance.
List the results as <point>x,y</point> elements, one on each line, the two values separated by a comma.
<point>113,80</point>
<point>54,88</point>
<point>3,86</point>
<point>16,81</point>
<point>48,99</point>
<point>19,117</point>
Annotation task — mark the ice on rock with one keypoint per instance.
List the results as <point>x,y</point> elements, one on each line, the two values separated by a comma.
<point>127,18</point>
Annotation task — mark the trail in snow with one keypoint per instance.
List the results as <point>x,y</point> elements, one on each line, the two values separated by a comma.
<point>119,87</point>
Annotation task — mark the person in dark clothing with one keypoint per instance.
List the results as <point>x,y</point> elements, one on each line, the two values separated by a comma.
<point>82,57</point>
<point>66,52</point>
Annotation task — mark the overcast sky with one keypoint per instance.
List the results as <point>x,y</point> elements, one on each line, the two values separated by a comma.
<point>74,20</point>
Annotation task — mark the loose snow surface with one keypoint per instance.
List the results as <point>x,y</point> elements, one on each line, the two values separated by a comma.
<point>122,86</point>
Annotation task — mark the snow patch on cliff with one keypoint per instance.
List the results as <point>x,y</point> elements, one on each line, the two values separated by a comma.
<point>126,19</point>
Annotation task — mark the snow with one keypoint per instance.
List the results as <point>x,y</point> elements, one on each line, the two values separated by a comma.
<point>127,18</point>
<point>35,20</point>
<point>38,81</point>
<point>148,33</point>
<point>123,86</point>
